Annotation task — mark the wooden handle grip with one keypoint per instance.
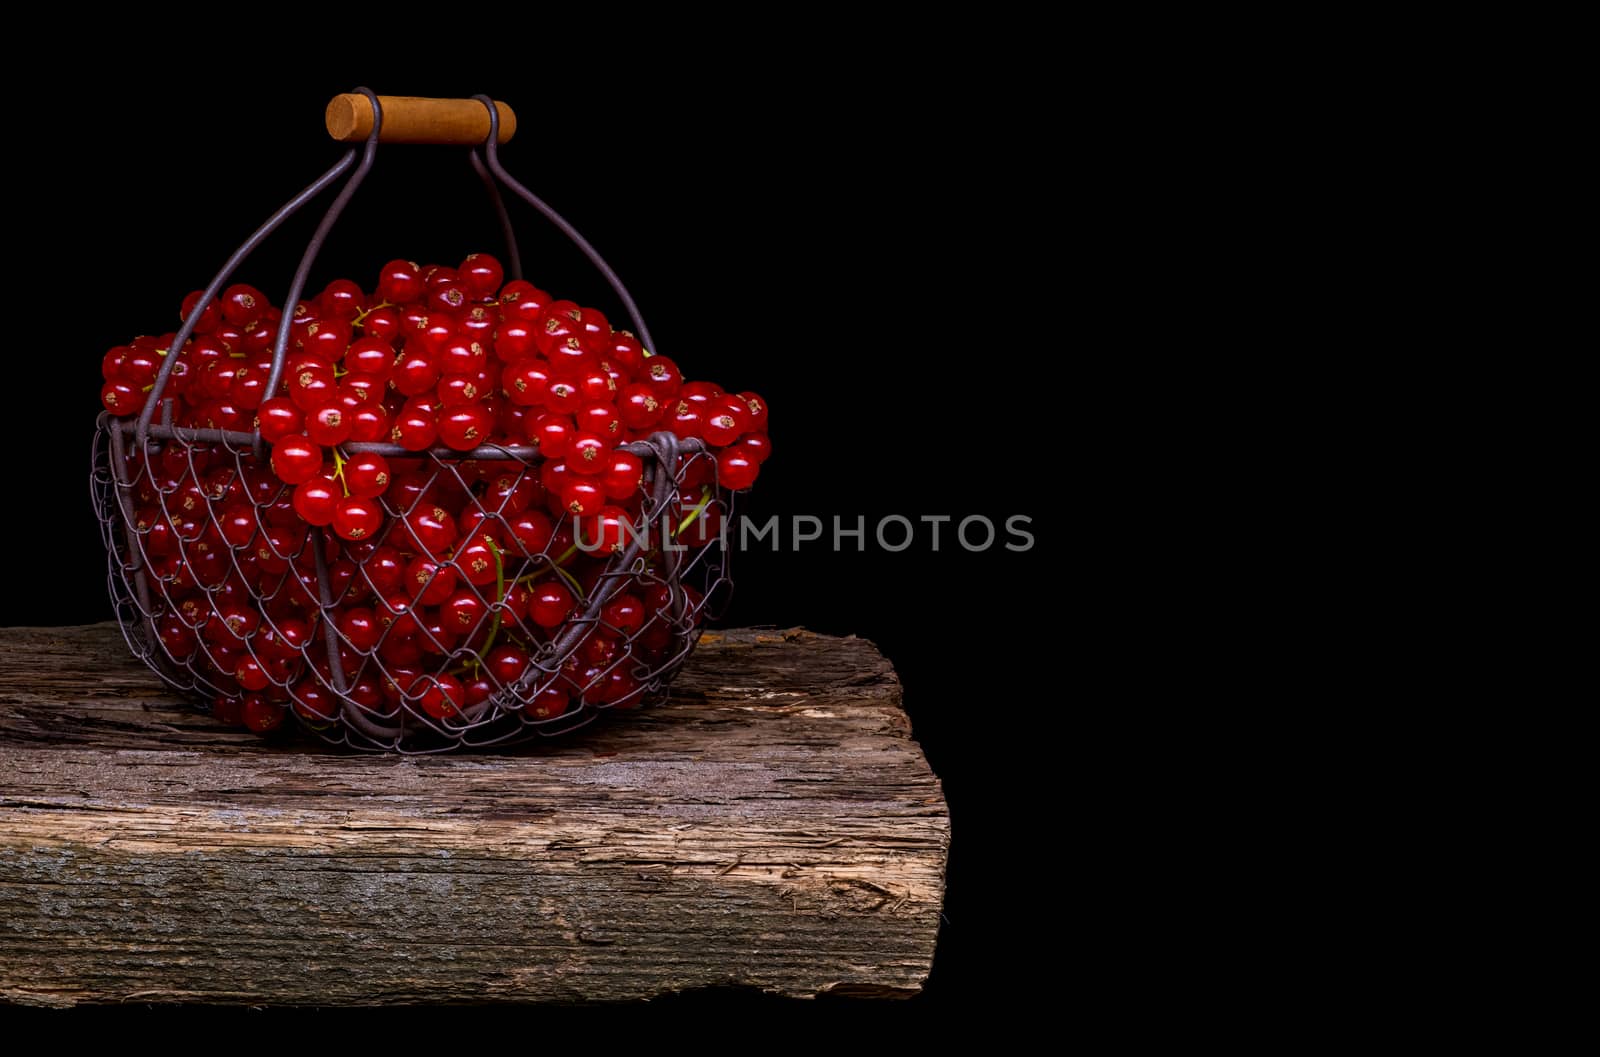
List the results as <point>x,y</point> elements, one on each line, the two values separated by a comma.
<point>407,119</point>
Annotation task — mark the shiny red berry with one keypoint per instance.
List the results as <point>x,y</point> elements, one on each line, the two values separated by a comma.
<point>551,605</point>
<point>366,475</point>
<point>357,519</point>
<point>315,500</point>
<point>296,459</point>
<point>549,703</point>
<point>400,283</point>
<point>464,428</point>
<point>736,468</point>
<point>261,715</point>
<point>481,275</point>
<point>440,696</point>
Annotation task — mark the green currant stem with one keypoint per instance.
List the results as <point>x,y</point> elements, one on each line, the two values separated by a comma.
<point>361,317</point>
<point>338,470</point>
<point>567,557</point>
<point>705,501</point>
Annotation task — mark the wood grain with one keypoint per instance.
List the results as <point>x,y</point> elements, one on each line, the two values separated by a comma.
<point>773,827</point>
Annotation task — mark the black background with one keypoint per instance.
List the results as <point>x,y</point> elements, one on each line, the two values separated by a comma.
<point>859,233</point>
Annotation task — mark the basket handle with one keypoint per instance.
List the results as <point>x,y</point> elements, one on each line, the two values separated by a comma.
<point>410,119</point>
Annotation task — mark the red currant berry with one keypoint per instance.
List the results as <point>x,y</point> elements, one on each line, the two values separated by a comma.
<point>261,715</point>
<point>625,353</point>
<point>295,459</point>
<point>367,695</point>
<point>357,519</point>
<point>597,387</point>
<point>464,428</point>
<point>414,428</point>
<point>139,368</point>
<point>624,476</point>
<point>370,355</point>
<point>440,696</point>
<point>311,386</point>
<point>526,382</point>
<point>756,446</point>
<point>758,411</point>
<point>328,339</point>
<point>685,420</point>
<point>600,649</point>
<point>617,688</point>
<point>580,496</point>
<point>719,428</point>
<point>549,703</point>
<point>400,283</point>
<point>521,300</point>
<point>216,381</point>
<point>563,398</point>
<point>209,316</point>
<point>330,422</point>
<point>313,703</point>
<point>479,689</point>
<point>463,612</point>
<point>552,604</point>
<point>458,390</point>
<point>461,355</point>
<point>369,423</point>
<point>415,373</point>
<point>507,663</point>
<point>511,493</point>
<point>430,530</point>
<point>640,408</point>
<point>120,398</point>
<point>436,582</point>
<point>383,323</point>
<point>602,419</point>
<point>588,454</point>
<point>252,675</point>
<point>513,341</point>
<point>366,475</point>
<point>736,469</point>
<point>557,323</point>
<point>663,378</point>
<point>384,570</point>
<point>341,299</point>
<point>242,305</point>
<point>237,524</point>
<point>446,297</point>
<point>315,500</point>
<point>478,559</point>
<point>625,613</point>
<point>532,530</point>
<point>551,433</point>
<point>361,628</point>
<point>481,275</point>
<point>605,532</point>
<point>250,386</point>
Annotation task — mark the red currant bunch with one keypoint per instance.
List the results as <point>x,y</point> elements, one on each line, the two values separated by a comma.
<point>382,526</point>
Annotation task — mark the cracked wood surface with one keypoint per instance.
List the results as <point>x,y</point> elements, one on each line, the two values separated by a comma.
<point>773,826</point>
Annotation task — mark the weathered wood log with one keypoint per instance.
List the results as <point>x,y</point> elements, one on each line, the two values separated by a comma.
<point>773,826</point>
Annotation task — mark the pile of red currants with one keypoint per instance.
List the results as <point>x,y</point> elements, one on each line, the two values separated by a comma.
<point>471,508</point>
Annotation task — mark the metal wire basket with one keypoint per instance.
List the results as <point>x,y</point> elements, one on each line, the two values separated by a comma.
<point>197,595</point>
